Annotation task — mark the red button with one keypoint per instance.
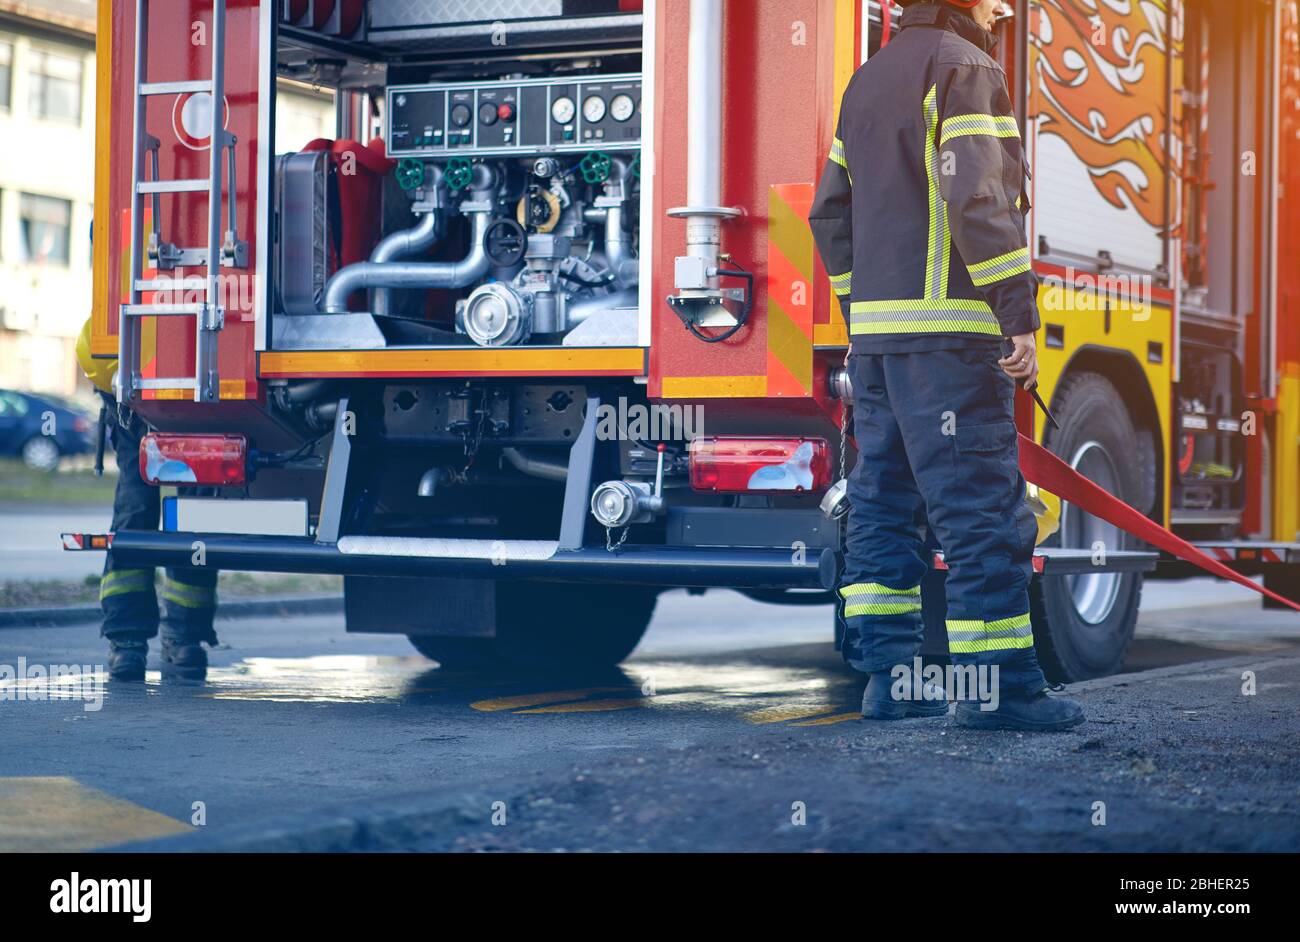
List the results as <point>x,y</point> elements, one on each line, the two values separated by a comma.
<point>505,112</point>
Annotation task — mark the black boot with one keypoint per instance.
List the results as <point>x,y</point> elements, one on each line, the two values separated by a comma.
<point>184,658</point>
<point>1038,713</point>
<point>126,658</point>
<point>878,701</point>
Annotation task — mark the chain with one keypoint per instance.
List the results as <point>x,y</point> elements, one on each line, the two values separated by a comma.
<point>609,539</point>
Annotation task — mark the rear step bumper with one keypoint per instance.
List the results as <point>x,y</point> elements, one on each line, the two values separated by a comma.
<point>732,567</point>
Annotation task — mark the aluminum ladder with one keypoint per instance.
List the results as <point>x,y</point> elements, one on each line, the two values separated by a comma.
<point>221,247</point>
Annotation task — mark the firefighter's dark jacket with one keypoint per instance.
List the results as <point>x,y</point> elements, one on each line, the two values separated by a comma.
<point>919,216</point>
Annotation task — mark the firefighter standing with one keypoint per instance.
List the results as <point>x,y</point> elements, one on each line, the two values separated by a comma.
<point>919,219</point>
<point>127,596</point>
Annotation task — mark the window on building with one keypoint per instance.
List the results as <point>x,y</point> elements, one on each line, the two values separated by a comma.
<point>45,226</point>
<point>6,72</point>
<point>54,86</point>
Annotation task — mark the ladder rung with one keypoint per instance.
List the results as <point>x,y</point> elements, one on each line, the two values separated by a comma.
<point>175,186</point>
<point>175,88</point>
<point>171,284</point>
<point>161,310</point>
<point>184,382</point>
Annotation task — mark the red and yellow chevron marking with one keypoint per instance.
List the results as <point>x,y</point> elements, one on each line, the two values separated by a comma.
<point>789,290</point>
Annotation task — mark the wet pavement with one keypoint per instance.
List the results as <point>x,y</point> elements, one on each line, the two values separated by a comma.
<point>733,727</point>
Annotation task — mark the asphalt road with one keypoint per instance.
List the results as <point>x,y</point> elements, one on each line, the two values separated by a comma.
<point>30,546</point>
<point>733,727</point>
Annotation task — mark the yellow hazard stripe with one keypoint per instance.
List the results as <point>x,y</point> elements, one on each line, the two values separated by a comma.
<point>978,124</point>
<point>872,598</point>
<point>863,588</point>
<point>837,153</point>
<point>973,636</point>
<point>923,315</point>
<point>124,581</point>
<point>189,596</point>
<point>1016,262</point>
<point>938,252</point>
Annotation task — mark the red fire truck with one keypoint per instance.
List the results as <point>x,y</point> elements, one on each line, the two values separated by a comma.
<point>539,330</point>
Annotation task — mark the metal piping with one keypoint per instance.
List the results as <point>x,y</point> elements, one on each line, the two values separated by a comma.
<point>427,275</point>
<point>704,113</point>
<point>578,311</point>
<point>618,248</point>
<point>536,467</point>
<point>404,244</point>
<point>696,274</point>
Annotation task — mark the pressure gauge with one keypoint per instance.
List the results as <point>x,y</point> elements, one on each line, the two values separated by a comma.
<point>593,109</point>
<point>622,107</point>
<point>562,110</point>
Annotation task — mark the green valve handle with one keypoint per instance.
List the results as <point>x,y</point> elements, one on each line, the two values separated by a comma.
<point>458,174</point>
<point>595,167</point>
<point>410,173</point>
<point>635,168</point>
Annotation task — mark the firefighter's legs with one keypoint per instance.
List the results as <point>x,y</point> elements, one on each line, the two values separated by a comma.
<point>189,605</point>
<point>880,593</point>
<point>955,412</point>
<point>126,595</point>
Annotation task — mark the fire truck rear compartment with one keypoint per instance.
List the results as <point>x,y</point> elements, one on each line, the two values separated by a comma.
<point>511,215</point>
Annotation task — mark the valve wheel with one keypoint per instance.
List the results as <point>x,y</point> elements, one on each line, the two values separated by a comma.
<point>505,242</point>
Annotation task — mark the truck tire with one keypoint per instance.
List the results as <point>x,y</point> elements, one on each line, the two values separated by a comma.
<point>547,627</point>
<point>1083,624</point>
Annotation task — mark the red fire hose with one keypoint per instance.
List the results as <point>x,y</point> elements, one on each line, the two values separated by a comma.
<point>1049,472</point>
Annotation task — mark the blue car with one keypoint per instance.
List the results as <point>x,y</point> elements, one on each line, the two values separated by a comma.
<point>42,428</point>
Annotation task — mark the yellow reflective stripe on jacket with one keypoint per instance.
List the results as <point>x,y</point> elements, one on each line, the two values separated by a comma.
<point>837,153</point>
<point>1016,262</point>
<point>842,284</point>
<point>872,598</point>
<point>124,581</point>
<point>940,240</point>
<point>923,315</point>
<point>986,124</point>
<point>972,636</point>
<point>189,596</point>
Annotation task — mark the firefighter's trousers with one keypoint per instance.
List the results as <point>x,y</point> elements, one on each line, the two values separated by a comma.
<point>127,596</point>
<point>937,443</point>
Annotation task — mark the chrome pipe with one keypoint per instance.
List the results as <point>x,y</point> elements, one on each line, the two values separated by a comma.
<point>426,275</point>
<point>419,238</point>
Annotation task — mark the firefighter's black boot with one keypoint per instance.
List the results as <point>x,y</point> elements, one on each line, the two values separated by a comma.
<point>126,658</point>
<point>1038,713</point>
<point>921,699</point>
<point>184,658</point>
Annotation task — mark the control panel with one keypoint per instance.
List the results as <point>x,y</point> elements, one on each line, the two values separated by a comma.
<point>523,116</point>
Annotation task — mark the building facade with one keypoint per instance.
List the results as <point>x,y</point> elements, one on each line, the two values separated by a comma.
<point>47,185</point>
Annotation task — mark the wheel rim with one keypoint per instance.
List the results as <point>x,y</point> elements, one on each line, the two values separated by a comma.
<point>1093,594</point>
<point>41,453</point>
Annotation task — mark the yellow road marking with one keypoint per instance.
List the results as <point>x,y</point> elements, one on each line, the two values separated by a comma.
<point>828,720</point>
<point>591,706</point>
<point>537,699</point>
<point>781,714</point>
<point>58,814</point>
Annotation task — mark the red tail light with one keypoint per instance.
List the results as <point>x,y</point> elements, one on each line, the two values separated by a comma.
<point>216,460</point>
<point>758,465</point>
